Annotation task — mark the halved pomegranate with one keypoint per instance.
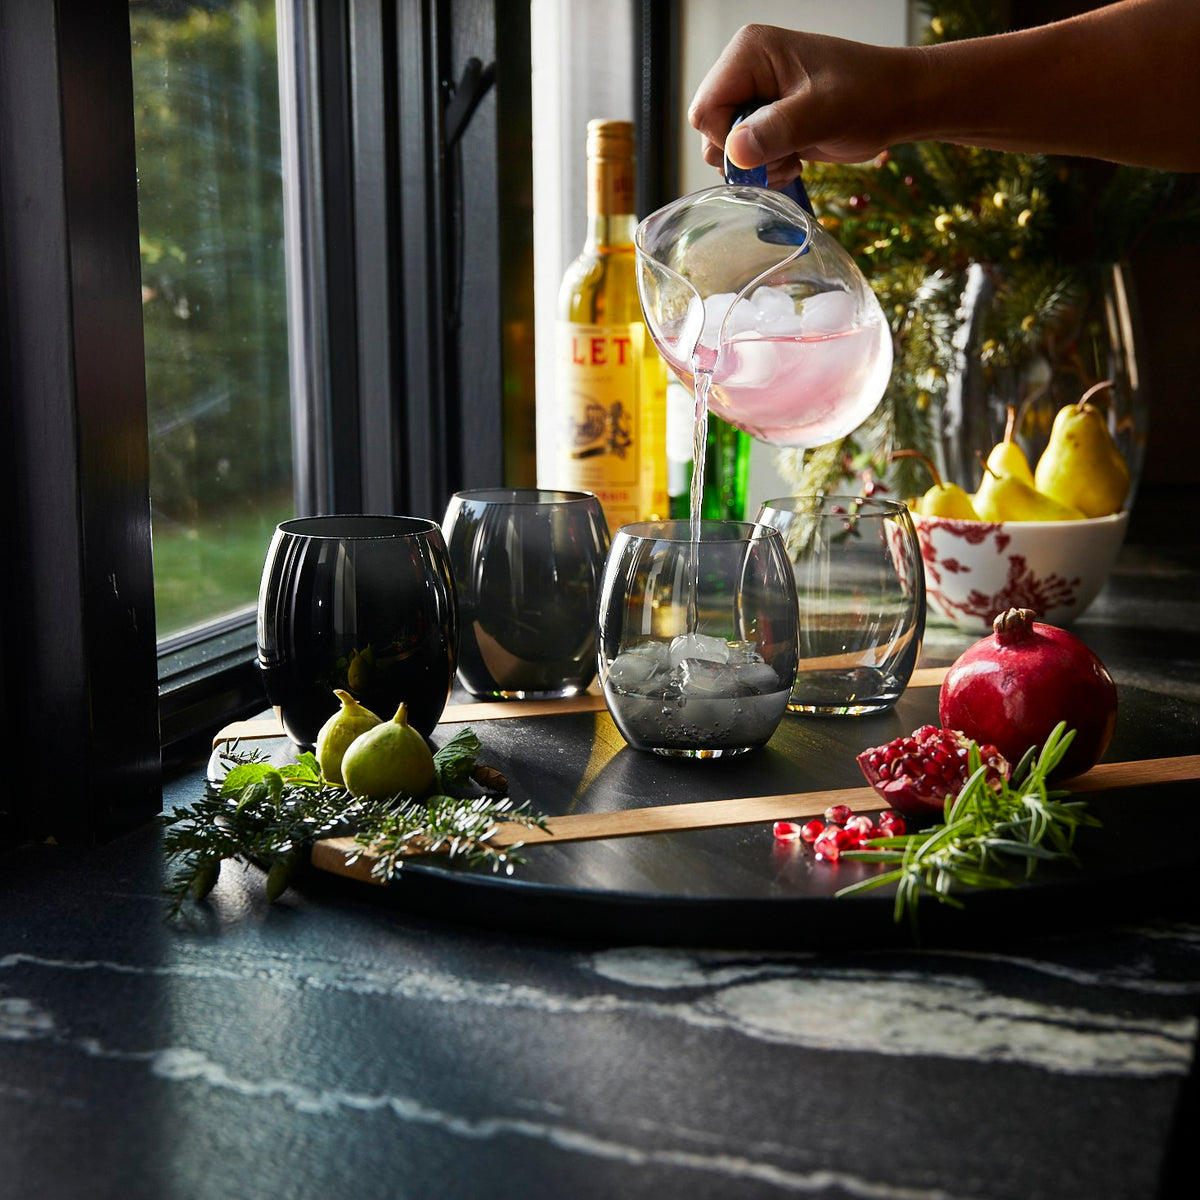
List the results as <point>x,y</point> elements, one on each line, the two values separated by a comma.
<point>915,774</point>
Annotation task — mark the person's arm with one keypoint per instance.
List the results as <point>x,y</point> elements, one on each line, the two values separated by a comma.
<point>1120,83</point>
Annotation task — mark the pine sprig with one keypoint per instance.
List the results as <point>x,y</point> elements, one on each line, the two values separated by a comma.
<point>266,816</point>
<point>462,830</point>
<point>989,835</point>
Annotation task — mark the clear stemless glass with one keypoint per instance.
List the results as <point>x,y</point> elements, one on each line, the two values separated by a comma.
<point>527,564</point>
<point>361,603</point>
<point>697,648</point>
<point>860,586</point>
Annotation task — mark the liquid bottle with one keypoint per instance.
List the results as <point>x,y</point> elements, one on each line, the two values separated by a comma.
<point>610,383</point>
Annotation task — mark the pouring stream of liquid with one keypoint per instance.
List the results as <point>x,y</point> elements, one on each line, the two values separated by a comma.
<point>702,381</point>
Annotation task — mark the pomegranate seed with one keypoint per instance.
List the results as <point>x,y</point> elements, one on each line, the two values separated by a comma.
<point>826,847</point>
<point>787,831</point>
<point>811,830</point>
<point>891,824</point>
<point>861,829</point>
<point>838,814</point>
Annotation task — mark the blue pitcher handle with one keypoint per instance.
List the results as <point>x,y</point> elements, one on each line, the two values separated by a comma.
<point>757,176</point>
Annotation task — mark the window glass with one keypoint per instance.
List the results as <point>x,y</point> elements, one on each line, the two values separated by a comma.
<point>210,203</point>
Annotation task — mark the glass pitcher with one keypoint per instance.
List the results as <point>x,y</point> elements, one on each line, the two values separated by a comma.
<point>739,283</point>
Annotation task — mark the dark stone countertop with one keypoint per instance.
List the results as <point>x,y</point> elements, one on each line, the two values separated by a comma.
<point>332,1044</point>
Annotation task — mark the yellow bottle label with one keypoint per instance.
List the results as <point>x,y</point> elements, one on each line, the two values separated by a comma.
<point>654,431</point>
<point>602,400</point>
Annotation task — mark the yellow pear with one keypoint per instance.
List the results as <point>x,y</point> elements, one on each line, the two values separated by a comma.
<point>1081,464</point>
<point>1007,498</point>
<point>1007,458</point>
<point>942,499</point>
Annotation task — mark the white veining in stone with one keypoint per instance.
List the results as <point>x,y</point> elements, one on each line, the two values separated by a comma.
<point>785,999</point>
<point>21,1020</point>
<point>907,1013</point>
<point>668,968</point>
<point>190,1066</point>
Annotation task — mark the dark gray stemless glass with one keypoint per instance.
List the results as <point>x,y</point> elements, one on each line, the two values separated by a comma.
<point>362,603</point>
<point>527,565</point>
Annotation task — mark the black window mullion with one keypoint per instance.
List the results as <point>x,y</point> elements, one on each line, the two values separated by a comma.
<point>656,102</point>
<point>78,632</point>
<point>375,169</point>
<point>420,215</point>
<point>490,246</point>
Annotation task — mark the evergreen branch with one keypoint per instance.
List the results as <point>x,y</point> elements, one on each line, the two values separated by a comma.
<point>393,831</point>
<point>818,472</point>
<point>266,816</point>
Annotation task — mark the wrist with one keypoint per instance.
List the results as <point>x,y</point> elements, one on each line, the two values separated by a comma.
<point>915,89</point>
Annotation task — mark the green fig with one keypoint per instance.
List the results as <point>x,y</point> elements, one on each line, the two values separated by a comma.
<point>1081,464</point>
<point>339,732</point>
<point>1007,498</point>
<point>942,499</point>
<point>391,759</point>
<point>1007,458</point>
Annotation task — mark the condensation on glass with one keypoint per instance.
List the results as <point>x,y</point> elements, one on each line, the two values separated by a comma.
<point>210,203</point>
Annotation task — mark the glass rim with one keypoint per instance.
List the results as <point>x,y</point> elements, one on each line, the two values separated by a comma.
<point>824,506</point>
<point>521,496</point>
<point>336,527</point>
<point>679,530</point>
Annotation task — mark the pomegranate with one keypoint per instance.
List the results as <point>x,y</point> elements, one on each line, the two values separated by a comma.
<point>915,774</point>
<point>1013,687</point>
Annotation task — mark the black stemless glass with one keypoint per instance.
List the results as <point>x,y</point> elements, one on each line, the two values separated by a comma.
<point>527,565</point>
<point>362,603</point>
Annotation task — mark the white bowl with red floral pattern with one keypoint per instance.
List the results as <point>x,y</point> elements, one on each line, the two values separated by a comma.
<point>976,569</point>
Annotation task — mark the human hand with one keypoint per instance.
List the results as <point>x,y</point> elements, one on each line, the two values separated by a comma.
<point>821,98</point>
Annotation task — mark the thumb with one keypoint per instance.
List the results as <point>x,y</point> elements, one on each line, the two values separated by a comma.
<point>767,134</point>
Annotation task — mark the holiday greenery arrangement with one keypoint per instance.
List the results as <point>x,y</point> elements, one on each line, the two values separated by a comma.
<point>1034,233</point>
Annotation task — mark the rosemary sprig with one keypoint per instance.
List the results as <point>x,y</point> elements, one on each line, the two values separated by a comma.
<point>266,815</point>
<point>985,833</point>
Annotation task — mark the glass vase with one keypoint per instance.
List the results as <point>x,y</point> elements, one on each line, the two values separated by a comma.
<point>1038,373</point>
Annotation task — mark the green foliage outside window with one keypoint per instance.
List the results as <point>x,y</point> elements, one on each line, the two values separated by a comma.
<point>214,297</point>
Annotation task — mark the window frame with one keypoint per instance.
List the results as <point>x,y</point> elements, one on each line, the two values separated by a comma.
<point>409,404</point>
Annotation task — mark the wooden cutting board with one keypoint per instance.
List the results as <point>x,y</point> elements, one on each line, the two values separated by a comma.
<point>336,854</point>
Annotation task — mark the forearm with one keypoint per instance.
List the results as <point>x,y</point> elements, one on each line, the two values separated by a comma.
<point>1120,83</point>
